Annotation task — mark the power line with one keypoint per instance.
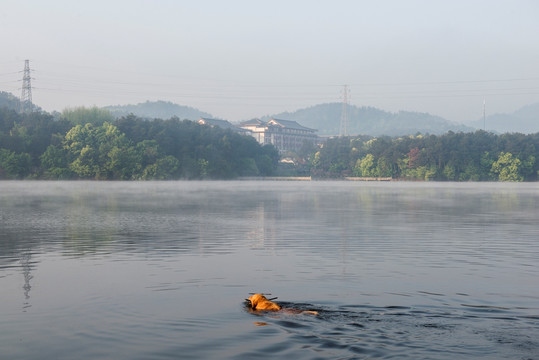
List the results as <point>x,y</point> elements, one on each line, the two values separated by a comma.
<point>109,83</point>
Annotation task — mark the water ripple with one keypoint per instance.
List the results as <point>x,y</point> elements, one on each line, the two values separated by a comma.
<point>402,332</point>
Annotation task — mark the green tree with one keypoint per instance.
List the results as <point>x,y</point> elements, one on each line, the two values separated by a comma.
<point>485,166</point>
<point>149,152</point>
<point>136,129</point>
<point>163,169</point>
<point>203,167</point>
<point>54,163</point>
<point>527,169</point>
<point>82,116</point>
<point>507,167</point>
<point>267,160</point>
<point>124,163</point>
<point>86,164</point>
<point>365,166</point>
<point>383,167</point>
<point>430,173</point>
<point>449,172</point>
<point>14,166</point>
<point>101,152</point>
<point>471,172</point>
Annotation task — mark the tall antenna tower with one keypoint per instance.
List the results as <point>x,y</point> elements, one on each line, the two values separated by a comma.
<point>26,94</point>
<point>343,130</point>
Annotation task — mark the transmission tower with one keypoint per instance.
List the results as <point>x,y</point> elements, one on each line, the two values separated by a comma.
<point>26,94</point>
<point>343,131</point>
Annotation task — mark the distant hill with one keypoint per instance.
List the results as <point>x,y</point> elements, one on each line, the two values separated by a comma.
<point>12,102</point>
<point>326,119</point>
<point>525,120</point>
<point>158,109</point>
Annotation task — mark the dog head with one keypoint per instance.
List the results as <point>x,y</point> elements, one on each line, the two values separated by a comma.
<point>260,302</point>
<point>255,299</point>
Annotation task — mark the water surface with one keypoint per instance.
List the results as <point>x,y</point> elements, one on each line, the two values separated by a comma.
<point>158,270</point>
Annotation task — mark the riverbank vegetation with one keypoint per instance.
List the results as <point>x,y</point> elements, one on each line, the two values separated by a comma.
<point>81,144</point>
<point>475,156</point>
<point>91,144</point>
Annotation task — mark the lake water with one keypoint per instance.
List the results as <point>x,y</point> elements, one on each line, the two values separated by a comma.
<point>159,270</point>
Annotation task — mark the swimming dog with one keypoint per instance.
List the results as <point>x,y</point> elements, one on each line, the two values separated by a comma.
<point>258,302</point>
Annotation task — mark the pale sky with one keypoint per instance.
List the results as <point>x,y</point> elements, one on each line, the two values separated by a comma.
<point>240,59</point>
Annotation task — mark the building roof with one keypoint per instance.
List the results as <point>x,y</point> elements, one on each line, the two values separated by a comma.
<point>289,124</point>
<point>215,122</point>
<point>223,124</point>
<point>253,122</point>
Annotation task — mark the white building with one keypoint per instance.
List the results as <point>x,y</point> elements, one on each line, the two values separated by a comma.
<point>285,135</point>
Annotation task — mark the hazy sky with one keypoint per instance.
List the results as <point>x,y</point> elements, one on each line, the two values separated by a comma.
<point>239,59</point>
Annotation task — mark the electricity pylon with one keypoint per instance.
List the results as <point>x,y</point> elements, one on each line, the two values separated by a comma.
<point>343,131</point>
<point>26,94</point>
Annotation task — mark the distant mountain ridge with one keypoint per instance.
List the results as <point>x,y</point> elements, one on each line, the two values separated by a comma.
<point>158,109</point>
<point>371,121</point>
<point>524,120</point>
<point>326,118</point>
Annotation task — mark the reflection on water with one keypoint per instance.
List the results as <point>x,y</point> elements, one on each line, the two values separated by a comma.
<point>156,269</point>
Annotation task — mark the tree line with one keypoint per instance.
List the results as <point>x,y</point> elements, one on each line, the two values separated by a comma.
<point>475,156</point>
<point>90,144</point>
<point>84,143</point>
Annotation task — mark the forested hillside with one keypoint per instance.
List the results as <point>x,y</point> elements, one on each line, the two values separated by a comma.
<point>326,118</point>
<point>37,145</point>
<point>158,109</point>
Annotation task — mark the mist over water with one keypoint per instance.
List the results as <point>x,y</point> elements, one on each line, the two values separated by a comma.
<point>159,270</point>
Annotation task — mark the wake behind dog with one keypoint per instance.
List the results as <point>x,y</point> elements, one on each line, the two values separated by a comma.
<point>258,302</point>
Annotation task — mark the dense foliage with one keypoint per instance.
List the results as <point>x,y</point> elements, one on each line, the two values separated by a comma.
<point>478,156</point>
<point>88,144</point>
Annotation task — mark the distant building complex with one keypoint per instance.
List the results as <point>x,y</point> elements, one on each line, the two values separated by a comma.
<point>285,135</point>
